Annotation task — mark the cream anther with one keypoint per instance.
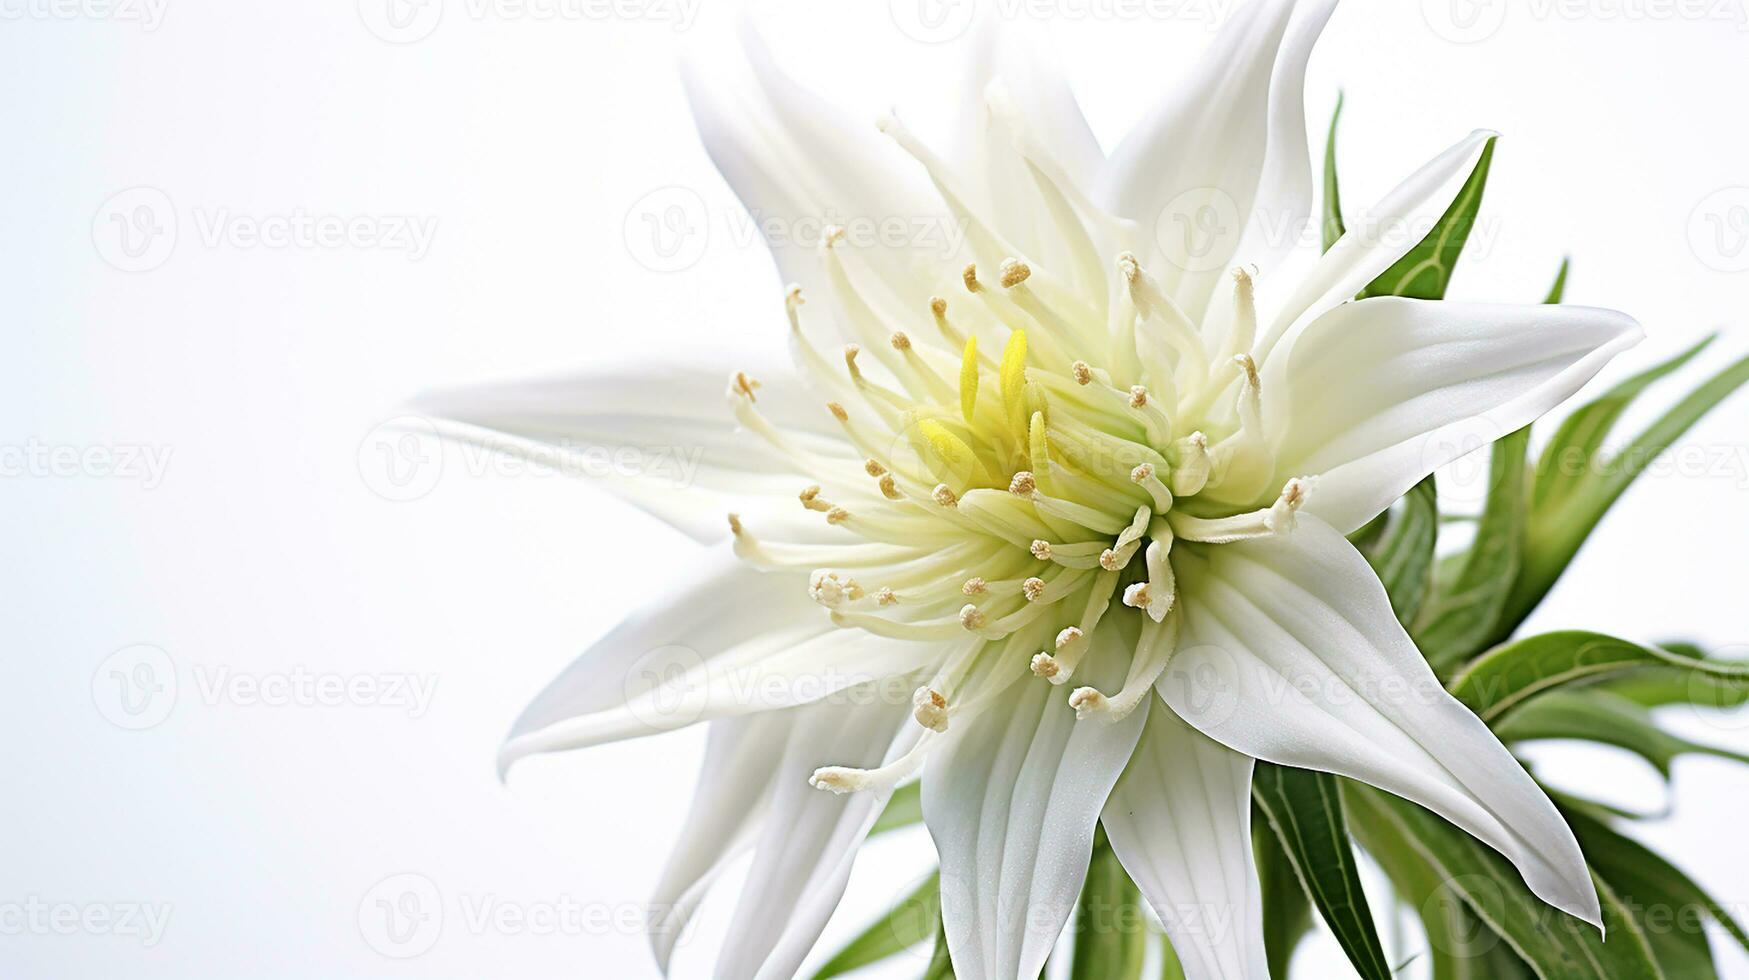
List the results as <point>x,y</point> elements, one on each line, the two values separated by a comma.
<point>969,275</point>
<point>745,386</point>
<point>831,235</point>
<point>889,488</point>
<point>1087,702</point>
<point>901,341</point>
<point>1138,396</point>
<point>838,411</point>
<point>1033,588</point>
<point>1041,550</point>
<point>1082,372</point>
<point>873,468</point>
<point>975,586</point>
<point>1023,484</point>
<point>971,617</point>
<point>886,597</point>
<point>1045,665</point>
<point>929,707</point>
<point>1014,272</point>
<point>837,515</point>
<point>945,496</point>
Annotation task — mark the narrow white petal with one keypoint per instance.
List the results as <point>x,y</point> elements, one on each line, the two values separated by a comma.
<point>1201,152</point>
<point>1012,801</point>
<point>1376,239</point>
<point>1291,654</point>
<point>798,163</point>
<point>728,809</point>
<point>729,641</point>
<point>1180,822</point>
<point>663,439</point>
<point>1376,394</point>
<point>809,839</point>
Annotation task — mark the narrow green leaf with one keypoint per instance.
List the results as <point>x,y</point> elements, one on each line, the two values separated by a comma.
<point>1425,272</point>
<point>1507,676</point>
<point>1170,966</point>
<point>904,809</point>
<point>1333,226</point>
<point>1305,811</point>
<point>1671,905</point>
<point>1287,913</point>
<point>1459,945</point>
<point>1596,715</point>
<point>1556,945</point>
<point>1402,552</point>
<point>1111,930</point>
<point>1657,686</point>
<point>1557,531</point>
<point>1568,458</point>
<point>1558,291</point>
<point>940,963</point>
<point>910,922</point>
<point>1463,613</point>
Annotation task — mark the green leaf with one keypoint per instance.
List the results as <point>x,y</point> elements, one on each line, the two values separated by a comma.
<point>1305,811</point>
<point>940,964</point>
<point>1287,914</point>
<point>1170,967</point>
<point>1402,552</point>
<point>910,922</point>
<point>1655,687</point>
<point>1596,715</point>
<point>1558,530</point>
<point>1425,272</point>
<point>1567,459</point>
<point>1671,907</point>
<point>1333,226</point>
<point>1459,945</point>
<point>1558,291</point>
<point>1463,613</point>
<point>1556,945</point>
<point>1111,930</point>
<point>904,809</point>
<point>1508,676</point>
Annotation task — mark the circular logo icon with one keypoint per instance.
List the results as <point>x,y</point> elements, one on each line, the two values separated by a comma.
<point>1203,685</point>
<point>135,230</point>
<point>1199,229</point>
<point>135,687</point>
<point>1718,230</point>
<point>932,21</point>
<point>1464,21</point>
<point>1720,702</point>
<point>666,688</point>
<point>1469,936</point>
<point>401,459</point>
<point>401,916</point>
<point>1466,473</point>
<point>401,21</point>
<point>667,229</point>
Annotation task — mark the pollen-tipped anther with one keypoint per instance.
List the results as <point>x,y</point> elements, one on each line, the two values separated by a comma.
<point>1014,272</point>
<point>929,707</point>
<point>971,617</point>
<point>1023,484</point>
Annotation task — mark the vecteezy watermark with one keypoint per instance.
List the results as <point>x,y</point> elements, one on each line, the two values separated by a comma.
<point>1718,230</point>
<point>44,460</point>
<point>135,230</point>
<point>137,687</point>
<point>668,230</point>
<point>939,21</point>
<point>404,458</point>
<point>35,916</point>
<point>138,230</point>
<point>149,14</point>
<point>408,21</point>
<point>403,916</point>
<point>1472,21</point>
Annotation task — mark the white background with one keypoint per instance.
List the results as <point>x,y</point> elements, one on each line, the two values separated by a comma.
<point>527,142</point>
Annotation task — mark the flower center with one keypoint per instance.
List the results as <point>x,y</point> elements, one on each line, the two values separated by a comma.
<point>1020,507</point>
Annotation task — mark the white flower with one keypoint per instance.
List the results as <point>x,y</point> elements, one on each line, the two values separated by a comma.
<point>1069,539</point>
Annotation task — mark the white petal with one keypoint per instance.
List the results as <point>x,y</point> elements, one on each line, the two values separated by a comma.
<point>809,840</point>
<point>1203,150</point>
<point>1012,800</point>
<point>1376,239</point>
<point>1376,394</point>
<point>798,163</point>
<point>1291,654</point>
<point>728,809</point>
<point>1180,822</point>
<point>730,641</point>
<point>662,438</point>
